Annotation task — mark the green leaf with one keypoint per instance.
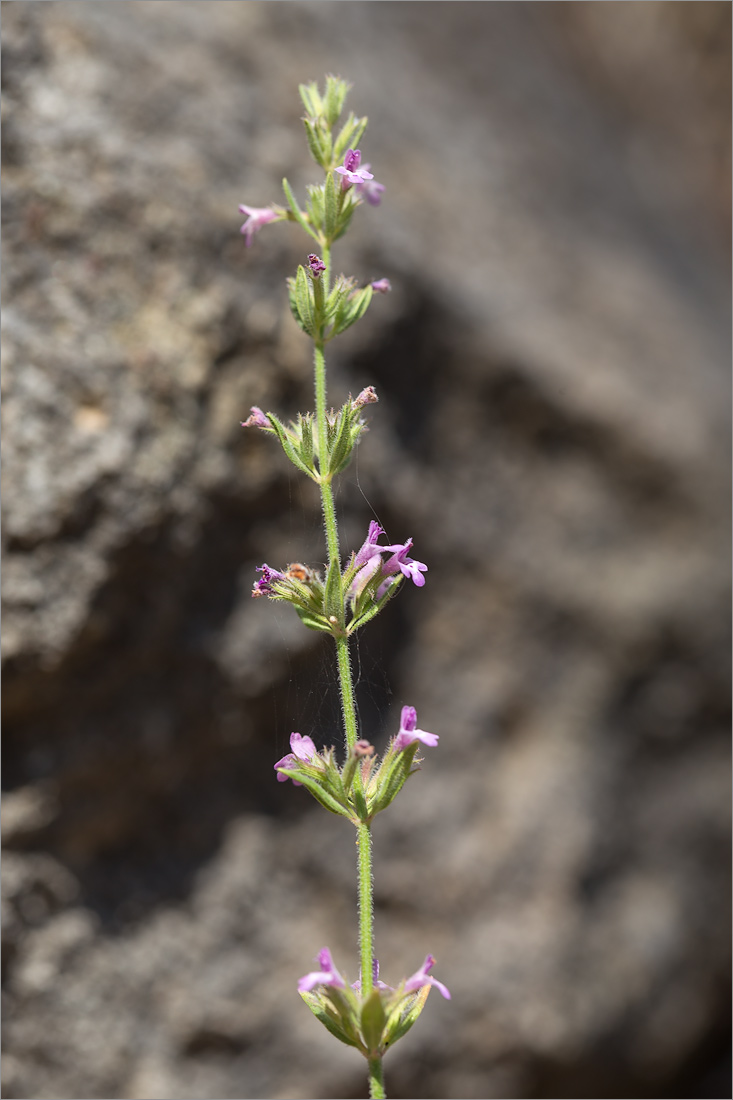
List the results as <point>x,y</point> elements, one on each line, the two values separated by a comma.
<point>315,206</point>
<point>330,206</point>
<point>400,1020</point>
<point>319,793</point>
<point>333,100</point>
<point>352,309</point>
<point>306,434</point>
<point>333,596</point>
<point>341,447</point>
<point>392,776</point>
<point>349,136</point>
<point>373,1021</point>
<point>360,804</point>
<point>329,1022</point>
<point>347,213</point>
<point>304,298</point>
<point>314,142</point>
<point>326,143</point>
<point>294,307</point>
<point>311,98</point>
<point>313,622</point>
<point>296,211</point>
<point>370,609</point>
<point>288,447</point>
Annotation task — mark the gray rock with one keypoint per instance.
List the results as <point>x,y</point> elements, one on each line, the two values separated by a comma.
<point>552,430</point>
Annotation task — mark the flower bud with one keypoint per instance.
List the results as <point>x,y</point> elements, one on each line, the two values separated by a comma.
<point>256,419</point>
<point>368,396</point>
<point>316,266</point>
<point>381,286</point>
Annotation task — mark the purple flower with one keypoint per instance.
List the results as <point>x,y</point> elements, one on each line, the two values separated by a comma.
<point>257,216</point>
<point>303,749</point>
<point>409,732</point>
<point>371,190</point>
<point>368,396</point>
<point>421,978</point>
<point>381,286</point>
<point>315,265</point>
<point>263,587</point>
<point>327,975</point>
<point>370,546</point>
<point>350,170</point>
<point>375,980</point>
<point>256,419</point>
<point>407,566</point>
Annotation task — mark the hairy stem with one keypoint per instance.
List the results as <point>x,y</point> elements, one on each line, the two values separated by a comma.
<point>366,908</point>
<point>376,1079</point>
<point>346,683</point>
<point>347,691</point>
<point>329,510</point>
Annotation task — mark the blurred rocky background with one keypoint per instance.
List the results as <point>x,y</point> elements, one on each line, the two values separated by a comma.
<point>553,432</point>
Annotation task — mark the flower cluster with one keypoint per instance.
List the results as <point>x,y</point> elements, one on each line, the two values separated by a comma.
<point>373,1023</point>
<point>335,787</point>
<point>300,440</point>
<point>368,581</point>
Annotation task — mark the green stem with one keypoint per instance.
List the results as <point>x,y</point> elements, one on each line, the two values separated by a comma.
<point>366,908</point>
<point>346,683</point>
<point>347,691</point>
<point>329,510</point>
<point>376,1079</point>
<point>326,277</point>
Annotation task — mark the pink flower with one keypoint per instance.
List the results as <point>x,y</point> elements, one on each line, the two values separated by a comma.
<point>381,286</point>
<point>263,587</point>
<point>400,562</point>
<point>421,978</point>
<point>327,975</point>
<point>257,216</point>
<point>370,547</point>
<point>350,170</point>
<point>303,749</point>
<point>408,731</point>
<point>371,190</point>
<point>256,419</point>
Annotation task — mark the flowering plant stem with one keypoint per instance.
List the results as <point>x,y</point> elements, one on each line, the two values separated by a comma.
<point>329,510</point>
<point>369,1014</point>
<point>376,1079</point>
<point>364,836</point>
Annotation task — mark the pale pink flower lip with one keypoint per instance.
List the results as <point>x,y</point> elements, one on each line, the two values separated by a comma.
<point>327,975</point>
<point>350,169</point>
<point>256,419</point>
<point>409,731</point>
<point>421,978</point>
<point>257,216</point>
<point>302,749</point>
<point>405,565</point>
